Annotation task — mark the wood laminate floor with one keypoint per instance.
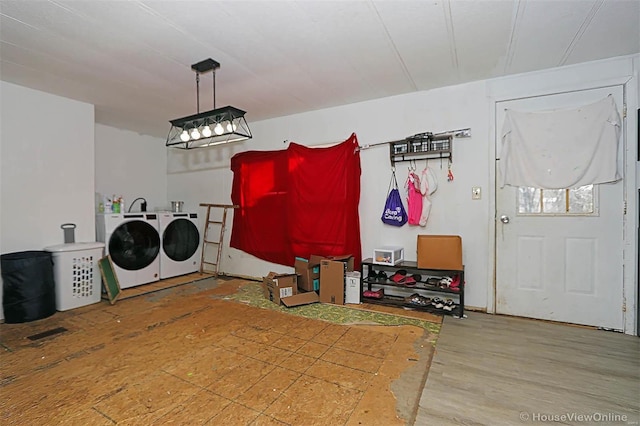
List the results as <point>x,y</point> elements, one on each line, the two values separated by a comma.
<point>498,370</point>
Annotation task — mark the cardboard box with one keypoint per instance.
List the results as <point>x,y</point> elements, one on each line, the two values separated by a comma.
<point>283,289</point>
<point>440,252</point>
<point>352,290</point>
<point>309,272</point>
<point>278,286</point>
<point>388,255</point>
<point>332,273</point>
<point>300,299</point>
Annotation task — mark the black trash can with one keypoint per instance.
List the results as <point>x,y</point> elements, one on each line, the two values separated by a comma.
<point>29,290</point>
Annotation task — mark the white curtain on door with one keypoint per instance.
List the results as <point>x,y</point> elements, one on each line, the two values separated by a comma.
<point>562,148</point>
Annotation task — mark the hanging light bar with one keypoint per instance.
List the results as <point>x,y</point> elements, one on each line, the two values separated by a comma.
<point>210,128</point>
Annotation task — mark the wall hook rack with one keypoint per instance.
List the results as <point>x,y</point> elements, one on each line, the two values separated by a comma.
<point>422,146</point>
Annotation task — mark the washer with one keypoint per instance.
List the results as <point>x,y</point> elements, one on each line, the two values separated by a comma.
<point>133,242</point>
<point>181,244</point>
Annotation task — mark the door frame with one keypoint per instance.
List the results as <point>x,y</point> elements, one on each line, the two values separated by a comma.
<point>600,74</point>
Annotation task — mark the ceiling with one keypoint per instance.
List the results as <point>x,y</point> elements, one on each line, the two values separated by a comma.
<point>132,59</point>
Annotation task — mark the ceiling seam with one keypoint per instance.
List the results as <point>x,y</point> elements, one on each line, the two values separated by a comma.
<point>585,24</point>
<point>21,22</point>
<point>302,69</point>
<point>53,58</point>
<point>446,6</point>
<point>519,8</point>
<point>187,34</point>
<point>403,65</point>
<point>90,18</point>
<point>169,22</point>
<point>347,61</point>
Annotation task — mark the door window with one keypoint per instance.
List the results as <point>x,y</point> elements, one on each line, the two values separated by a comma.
<point>557,202</point>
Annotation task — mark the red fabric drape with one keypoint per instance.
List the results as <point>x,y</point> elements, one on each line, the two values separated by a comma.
<point>260,225</point>
<point>297,202</point>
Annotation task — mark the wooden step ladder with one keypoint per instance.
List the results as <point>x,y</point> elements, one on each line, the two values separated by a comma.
<point>206,241</point>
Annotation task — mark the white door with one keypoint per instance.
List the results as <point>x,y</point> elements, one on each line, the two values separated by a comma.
<point>558,266</point>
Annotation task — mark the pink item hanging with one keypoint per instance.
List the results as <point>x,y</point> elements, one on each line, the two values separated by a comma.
<point>414,199</point>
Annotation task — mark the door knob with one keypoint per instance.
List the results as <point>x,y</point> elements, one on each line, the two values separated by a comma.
<point>504,218</point>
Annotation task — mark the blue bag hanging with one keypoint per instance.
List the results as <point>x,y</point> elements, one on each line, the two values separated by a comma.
<point>394,212</point>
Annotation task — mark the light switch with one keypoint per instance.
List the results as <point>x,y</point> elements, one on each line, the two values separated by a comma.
<point>476,193</point>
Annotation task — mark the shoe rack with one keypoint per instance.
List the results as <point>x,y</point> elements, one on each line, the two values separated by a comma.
<point>406,286</point>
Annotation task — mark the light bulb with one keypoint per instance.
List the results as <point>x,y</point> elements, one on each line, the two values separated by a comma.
<point>218,129</point>
<point>231,127</point>
<point>195,134</point>
<point>206,131</point>
<point>184,136</point>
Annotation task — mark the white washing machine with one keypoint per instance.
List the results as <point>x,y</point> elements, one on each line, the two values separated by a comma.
<point>181,244</point>
<point>133,242</point>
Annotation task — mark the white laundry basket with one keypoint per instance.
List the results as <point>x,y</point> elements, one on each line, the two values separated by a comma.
<point>76,274</point>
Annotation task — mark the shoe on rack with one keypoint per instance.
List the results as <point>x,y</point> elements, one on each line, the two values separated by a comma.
<point>437,303</point>
<point>449,305</point>
<point>445,282</point>
<point>455,281</point>
<point>378,294</point>
<point>433,281</point>
<point>409,281</point>
<point>382,277</point>
<point>455,284</point>
<point>400,275</point>
<point>373,276</point>
<point>417,300</point>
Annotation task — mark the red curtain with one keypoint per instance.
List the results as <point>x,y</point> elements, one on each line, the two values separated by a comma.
<point>297,202</point>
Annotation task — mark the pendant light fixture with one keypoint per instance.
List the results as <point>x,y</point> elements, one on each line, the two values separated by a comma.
<point>215,127</point>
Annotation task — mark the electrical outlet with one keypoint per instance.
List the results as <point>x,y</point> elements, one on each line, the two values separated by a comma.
<point>476,193</point>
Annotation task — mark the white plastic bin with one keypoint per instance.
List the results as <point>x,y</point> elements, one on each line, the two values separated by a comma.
<point>389,255</point>
<point>76,274</point>
<point>352,287</point>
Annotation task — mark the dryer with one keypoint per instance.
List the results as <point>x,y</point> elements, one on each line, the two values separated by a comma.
<point>133,242</point>
<point>181,245</point>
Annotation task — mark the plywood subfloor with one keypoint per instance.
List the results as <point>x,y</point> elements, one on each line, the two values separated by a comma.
<point>185,356</point>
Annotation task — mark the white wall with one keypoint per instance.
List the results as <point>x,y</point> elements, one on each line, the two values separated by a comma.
<point>47,178</point>
<point>131,165</point>
<point>50,180</point>
<point>46,175</point>
<point>204,176</point>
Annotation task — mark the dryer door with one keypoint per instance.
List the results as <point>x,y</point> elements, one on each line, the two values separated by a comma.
<point>134,245</point>
<point>180,240</point>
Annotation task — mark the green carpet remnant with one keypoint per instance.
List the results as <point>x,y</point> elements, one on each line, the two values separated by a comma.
<point>251,294</point>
